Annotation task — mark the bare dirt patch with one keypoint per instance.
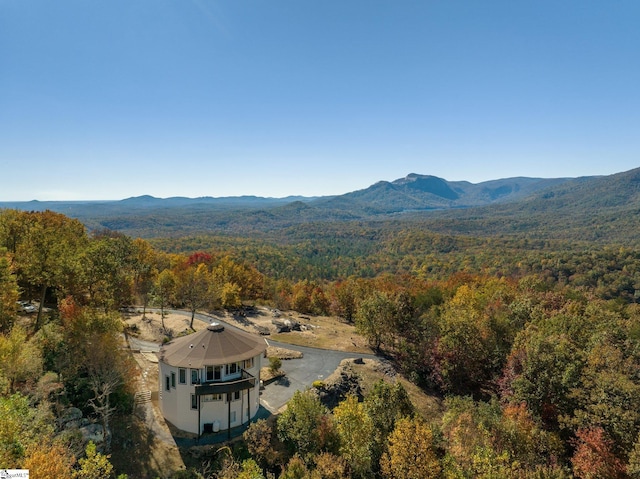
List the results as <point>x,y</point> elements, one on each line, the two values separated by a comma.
<point>322,332</point>
<point>152,328</point>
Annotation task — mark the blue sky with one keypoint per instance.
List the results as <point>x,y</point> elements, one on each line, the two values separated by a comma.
<point>107,99</point>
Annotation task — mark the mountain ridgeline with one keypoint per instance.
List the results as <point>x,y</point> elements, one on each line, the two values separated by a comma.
<point>601,208</point>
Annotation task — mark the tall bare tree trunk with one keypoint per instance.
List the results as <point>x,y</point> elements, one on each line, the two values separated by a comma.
<point>43,294</point>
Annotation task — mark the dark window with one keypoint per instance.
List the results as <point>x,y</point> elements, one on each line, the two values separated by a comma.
<point>217,373</point>
<point>167,384</point>
<point>195,376</point>
<point>209,373</point>
<point>194,401</point>
<point>182,376</point>
<point>173,379</point>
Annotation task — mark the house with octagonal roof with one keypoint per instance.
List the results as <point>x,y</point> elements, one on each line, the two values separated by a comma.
<point>210,380</point>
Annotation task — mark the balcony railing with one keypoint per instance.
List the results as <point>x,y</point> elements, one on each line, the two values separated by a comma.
<point>245,381</point>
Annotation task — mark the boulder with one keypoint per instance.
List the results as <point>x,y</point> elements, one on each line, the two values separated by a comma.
<point>263,330</point>
<point>281,326</point>
<point>70,418</point>
<point>93,432</point>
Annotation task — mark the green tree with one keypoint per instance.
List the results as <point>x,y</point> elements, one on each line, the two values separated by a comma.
<point>94,465</point>
<point>608,395</point>
<point>22,426</point>
<point>385,404</point>
<point>633,466</point>
<point>20,358</point>
<point>108,270</point>
<point>8,294</point>
<point>164,289</point>
<point>542,370</point>
<point>483,440</point>
<point>347,296</point>
<point>467,428</point>
<point>96,371</point>
<point>13,228</point>
<point>375,318</point>
<point>355,431</point>
<point>274,365</point>
<point>250,470</point>
<point>295,469</point>
<point>303,424</point>
<point>144,271</point>
<point>474,337</point>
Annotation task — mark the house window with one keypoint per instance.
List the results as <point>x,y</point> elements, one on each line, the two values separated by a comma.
<point>233,396</point>
<point>211,397</point>
<point>173,379</point>
<point>231,368</point>
<point>214,373</point>
<point>182,376</point>
<point>248,364</point>
<point>194,401</point>
<point>233,417</point>
<point>195,376</point>
<point>167,383</point>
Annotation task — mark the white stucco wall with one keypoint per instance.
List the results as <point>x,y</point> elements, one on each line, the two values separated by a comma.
<point>175,403</point>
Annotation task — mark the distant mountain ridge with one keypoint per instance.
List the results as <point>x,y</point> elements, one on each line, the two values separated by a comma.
<point>425,192</point>
<point>590,207</point>
<point>411,192</point>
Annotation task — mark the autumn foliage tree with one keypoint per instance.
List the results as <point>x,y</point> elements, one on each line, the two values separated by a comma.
<point>594,457</point>
<point>95,369</point>
<point>192,287</point>
<point>47,256</point>
<point>411,453</point>
<point>258,437</point>
<point>49,460</point>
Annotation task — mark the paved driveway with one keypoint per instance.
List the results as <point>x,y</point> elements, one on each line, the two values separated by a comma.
<point>316,364</point>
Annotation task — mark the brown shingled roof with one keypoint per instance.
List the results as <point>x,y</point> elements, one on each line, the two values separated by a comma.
<point>215,345</point>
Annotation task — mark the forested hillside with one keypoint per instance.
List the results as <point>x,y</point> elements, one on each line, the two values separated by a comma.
<point>595,209</point>
<point>528,334</point>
